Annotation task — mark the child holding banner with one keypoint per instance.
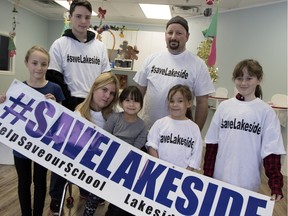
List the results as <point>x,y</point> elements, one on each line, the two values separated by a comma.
<point>129,127</point>
<point>244,131</point>
<point>176,138</point>
<point>97,106</point>
<point>37,61</point>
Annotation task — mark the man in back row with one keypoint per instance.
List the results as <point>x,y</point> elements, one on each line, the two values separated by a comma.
<point>176,65</point>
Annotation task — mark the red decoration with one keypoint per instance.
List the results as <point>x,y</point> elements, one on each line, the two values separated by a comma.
<point>101,13</point>
<point>12,53</point>
<point>209,2</point>
<point>212,57</point>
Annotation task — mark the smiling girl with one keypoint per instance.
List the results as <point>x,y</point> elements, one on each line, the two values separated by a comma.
<point>176,138</point>
<point>235,154</point>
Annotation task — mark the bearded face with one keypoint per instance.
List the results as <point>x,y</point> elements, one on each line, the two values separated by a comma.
<point>176,37</point>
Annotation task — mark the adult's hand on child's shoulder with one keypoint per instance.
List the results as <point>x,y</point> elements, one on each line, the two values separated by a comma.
<point>2,98</point>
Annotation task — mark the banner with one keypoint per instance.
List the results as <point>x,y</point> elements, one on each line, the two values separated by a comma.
<point>90,157</point>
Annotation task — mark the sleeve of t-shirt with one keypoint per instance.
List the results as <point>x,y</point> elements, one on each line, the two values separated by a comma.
<point>203,83</point>
<point>141,138</point>
<point>272,142</point>
<point>59,94</point>
<point>105,60</point>
<point>196,156</point>
<point>58,78</point>
<point>153,138</point>
<point>212,135</point>
<point>110,123</point>
<point>56,58</point>
<point>141,76</point>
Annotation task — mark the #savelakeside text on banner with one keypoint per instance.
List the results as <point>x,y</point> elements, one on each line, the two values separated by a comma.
<point>90,157</point>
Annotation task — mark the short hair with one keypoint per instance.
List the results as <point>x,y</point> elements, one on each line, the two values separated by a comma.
<point>134,93</point>
<point>83,3</point>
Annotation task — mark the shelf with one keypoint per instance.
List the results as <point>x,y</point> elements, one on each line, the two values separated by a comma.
<point>123,69</point>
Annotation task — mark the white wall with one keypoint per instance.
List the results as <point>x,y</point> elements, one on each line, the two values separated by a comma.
<point>259,33</point>
<point>30,30</point>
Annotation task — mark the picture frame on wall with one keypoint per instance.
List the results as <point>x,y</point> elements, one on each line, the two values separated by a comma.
<point>6,62</point>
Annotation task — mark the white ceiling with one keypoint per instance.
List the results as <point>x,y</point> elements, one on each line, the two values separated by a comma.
<point>128,11</point>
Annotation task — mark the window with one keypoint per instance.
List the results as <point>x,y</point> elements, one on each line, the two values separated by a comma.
<point>6,62</point>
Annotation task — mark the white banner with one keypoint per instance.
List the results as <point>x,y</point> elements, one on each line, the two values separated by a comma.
<point>88,156</point>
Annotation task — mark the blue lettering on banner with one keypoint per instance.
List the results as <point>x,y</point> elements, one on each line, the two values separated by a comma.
<point>77,141</point>
<point>59,131</point>
<point>37,129</point>
<point>127,169</point>
<point>94,149</point>
<point>208,199</point>
<point>254,204</point>
<point>226,195</point>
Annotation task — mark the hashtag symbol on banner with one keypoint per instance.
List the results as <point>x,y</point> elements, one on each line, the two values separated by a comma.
<point>17,103</point>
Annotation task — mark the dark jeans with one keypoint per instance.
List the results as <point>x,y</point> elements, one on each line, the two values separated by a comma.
<point>116,211</point>
<point>24,172</point>
<point>57,184</point>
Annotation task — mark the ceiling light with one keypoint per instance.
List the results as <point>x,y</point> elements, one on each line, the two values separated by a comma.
<point>155,11</point>
<point>66,5</point>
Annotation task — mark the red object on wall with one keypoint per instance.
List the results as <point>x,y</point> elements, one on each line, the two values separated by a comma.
<point>209,2</point>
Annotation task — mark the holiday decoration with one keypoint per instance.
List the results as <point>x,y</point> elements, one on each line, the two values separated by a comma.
<point>211,32</point>
<point>100,29</point>
<point>128,52</point>
<point>11,45</point>
<point>66,22</point>
<point>204,52</point>
<point>101,14</point>
<point>12,34</point>
<point>207,12</point>
<point>207,48</point>
<point>209,2</point>
<point>133,51</point>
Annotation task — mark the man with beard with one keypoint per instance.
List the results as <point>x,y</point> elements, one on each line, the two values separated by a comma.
<point>176,65</point>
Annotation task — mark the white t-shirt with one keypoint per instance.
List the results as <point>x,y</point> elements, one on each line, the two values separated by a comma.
<point>246,132</point>
<point>161,71</point>
<point>80,63</point>
<point>96,118</point>
<point>177,141</point>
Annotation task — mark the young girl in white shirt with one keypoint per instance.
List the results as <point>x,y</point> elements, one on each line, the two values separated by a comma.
<point>244,133</point>
<point>176,138</point>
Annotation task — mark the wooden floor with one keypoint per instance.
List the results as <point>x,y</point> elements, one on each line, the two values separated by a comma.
<point>9,205</point>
